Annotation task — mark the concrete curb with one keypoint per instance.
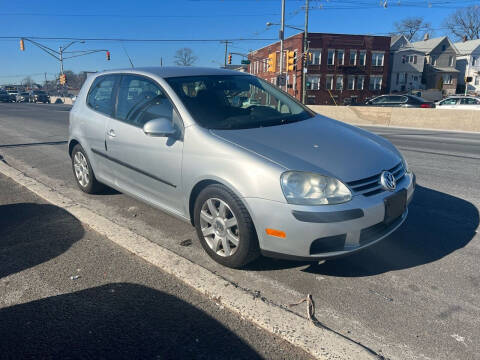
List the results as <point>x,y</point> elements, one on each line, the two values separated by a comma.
<point>319,342</point>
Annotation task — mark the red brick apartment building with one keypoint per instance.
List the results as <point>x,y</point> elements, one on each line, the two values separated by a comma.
<point>342,69</point>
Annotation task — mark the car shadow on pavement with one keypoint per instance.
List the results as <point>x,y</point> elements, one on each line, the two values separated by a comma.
<point>438,224</point>
<point>116,321</point>
<point>31,234</point>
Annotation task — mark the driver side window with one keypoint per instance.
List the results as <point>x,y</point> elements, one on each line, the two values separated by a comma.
<point>141,100</point>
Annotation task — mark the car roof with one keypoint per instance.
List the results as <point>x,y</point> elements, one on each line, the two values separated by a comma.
<point>175,71</point>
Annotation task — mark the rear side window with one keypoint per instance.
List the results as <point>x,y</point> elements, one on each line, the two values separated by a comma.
<point>396,99</point>
<point>469,101</point>
<point>101,95</point>
<point>141,100</point>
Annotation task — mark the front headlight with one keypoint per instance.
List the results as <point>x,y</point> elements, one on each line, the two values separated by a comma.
<point>304,188</point>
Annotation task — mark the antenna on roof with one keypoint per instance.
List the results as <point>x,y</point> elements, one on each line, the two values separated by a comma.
<point>126,53</point>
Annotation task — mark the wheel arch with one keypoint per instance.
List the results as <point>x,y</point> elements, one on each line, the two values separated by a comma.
<point>202,184</point>
<point>71,145</point>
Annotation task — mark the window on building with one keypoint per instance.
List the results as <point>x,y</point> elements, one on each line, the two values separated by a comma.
<point>316,58</point>
<point>398,78</point>
<point>451,60</point>
<point>377,59</point>
<point>447,79</point>
<point>415,59</point>
<point>375,82</point>
<point>444,47</point>
<point>477,80</point>
<point>341,57</point>
<point>313,81</point>
<point>339,82</point>
<point>265,65</point>
<point>360,82</point>
<point>331,57</point>
<point>474,60</point>
<point>404,59</point>
<point>434,60</point>
<point>362,59</point>
<point>353,57</point>
<point>329,82</point>
<point>351,82</point>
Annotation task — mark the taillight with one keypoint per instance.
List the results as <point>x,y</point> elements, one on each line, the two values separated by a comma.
<point>425,106</point>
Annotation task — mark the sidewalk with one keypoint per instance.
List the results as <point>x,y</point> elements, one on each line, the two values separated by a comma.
<point>65,291</point>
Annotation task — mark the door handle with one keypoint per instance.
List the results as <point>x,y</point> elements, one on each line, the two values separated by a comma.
<point>111,133</point>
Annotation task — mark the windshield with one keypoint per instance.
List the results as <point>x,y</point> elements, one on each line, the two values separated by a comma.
<point>39,92</point>
<point>236,102</point>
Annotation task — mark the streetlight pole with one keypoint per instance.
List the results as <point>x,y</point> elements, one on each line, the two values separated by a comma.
<point>305,60</point>
<point>282,30</point>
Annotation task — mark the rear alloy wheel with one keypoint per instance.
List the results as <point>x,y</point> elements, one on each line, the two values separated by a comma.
<point>83,172</point>
<point>224,227</point>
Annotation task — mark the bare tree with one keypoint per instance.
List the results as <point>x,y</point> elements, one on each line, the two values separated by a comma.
<point>464,22</point>
<point>413,28</point>
<point>28,82</point>
<point>184,57</point>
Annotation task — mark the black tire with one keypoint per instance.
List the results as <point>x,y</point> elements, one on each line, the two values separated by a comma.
<point>93,186</point>
<point>248,248</point>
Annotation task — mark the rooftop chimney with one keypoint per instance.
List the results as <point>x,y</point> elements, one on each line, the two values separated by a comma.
<point>426,36</point>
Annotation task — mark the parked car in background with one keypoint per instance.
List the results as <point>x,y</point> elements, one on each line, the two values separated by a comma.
<point>13,95</point>
<point>36,96</point>
<point>4,97</point>
<point>22,97</point>
<point>249,166</point>
<point>406,101</point>
<point>459,103</point>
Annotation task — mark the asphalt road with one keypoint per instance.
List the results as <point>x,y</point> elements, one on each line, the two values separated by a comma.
<point>66,292</point>
<point>413,296</point>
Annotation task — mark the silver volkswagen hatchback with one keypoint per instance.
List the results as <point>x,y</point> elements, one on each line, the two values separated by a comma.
<point>251,168</point>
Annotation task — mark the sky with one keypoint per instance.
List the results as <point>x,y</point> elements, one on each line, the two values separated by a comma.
<point>182,20</point>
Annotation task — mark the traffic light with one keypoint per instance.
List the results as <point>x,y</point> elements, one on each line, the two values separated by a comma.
<point>22,45</point>
<point>63,79</point>
<point>272,62</point>
<point>291,60</point>
<point>229,59</point>
<point>108,55</point>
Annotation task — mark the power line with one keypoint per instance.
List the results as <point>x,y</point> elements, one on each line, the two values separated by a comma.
<point>131,39</point>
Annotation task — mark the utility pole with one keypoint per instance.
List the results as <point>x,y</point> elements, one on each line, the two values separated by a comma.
<point>305,60</point>
<point>61,59</point>
<point>226,42</point>
<point>281,35</point>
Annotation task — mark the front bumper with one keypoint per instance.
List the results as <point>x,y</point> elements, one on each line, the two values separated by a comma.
<point>321,232</point>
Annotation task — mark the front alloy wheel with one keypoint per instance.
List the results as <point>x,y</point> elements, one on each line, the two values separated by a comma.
<point>224,227</point>
<point>219,227</point>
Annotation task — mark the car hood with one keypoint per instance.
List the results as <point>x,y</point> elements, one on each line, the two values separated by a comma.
<point>320,145</point>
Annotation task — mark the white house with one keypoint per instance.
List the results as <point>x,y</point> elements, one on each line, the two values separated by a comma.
<point>468,63</point>
<point>406,65</point>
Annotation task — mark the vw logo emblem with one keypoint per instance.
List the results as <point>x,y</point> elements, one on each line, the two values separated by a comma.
<point>388,181</point>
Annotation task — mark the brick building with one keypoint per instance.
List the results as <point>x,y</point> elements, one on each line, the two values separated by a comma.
<point>343,69</point>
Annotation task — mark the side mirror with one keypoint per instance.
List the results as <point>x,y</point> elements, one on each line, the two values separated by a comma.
<point>161,127</point>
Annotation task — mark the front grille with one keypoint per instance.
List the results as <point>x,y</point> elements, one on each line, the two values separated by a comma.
<point>371,185</point>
